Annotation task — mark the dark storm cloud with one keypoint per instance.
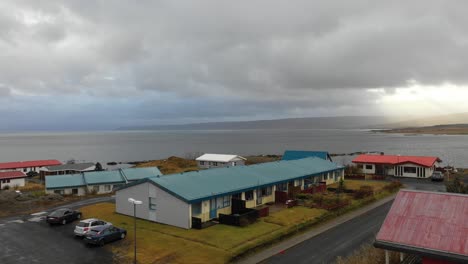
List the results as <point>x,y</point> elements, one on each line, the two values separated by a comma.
<point>274,57</point>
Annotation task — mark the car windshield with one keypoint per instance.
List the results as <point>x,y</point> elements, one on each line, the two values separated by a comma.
<point>82,224</point>
<point>58,212</point>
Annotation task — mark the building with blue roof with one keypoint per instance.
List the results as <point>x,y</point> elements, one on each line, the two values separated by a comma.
<point>302,154</point>
<point>177,199</point>
<point>98,182</point>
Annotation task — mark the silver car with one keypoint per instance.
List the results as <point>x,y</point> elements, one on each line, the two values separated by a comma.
<point>84,226</point>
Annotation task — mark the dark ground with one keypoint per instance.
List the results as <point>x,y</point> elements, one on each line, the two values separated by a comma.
<point>28,239</point>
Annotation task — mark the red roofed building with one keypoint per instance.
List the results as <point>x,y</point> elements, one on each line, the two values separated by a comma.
<point>11,179</point>
<point>400,166</point>
<point>27,166</point>
<point>431,225</point>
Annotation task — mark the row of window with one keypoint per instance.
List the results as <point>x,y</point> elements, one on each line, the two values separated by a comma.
<point>6,181</point>
<point>214,163</point>
<point>368,166</point>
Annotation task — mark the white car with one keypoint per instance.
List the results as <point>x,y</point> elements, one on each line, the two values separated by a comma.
<point>84,226</point>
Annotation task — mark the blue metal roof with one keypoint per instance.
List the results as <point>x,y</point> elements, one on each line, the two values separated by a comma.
<point>300,154</point>
<point>134,174</point>
<point>100,177</point>
<point>197,185</point>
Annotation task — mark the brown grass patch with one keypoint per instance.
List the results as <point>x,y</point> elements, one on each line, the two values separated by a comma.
<point>171,165</point>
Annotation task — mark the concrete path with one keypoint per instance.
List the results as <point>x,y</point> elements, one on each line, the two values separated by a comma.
<point>283,252</point>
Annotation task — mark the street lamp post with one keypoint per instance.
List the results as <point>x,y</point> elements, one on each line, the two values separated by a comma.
<point>135,203</point>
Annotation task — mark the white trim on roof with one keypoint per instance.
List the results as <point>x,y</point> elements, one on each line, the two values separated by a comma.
<point>219,157</point>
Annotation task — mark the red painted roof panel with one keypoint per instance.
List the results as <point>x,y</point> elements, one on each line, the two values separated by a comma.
<point>28,164</point>
<point>428,220</point>
<point>12,174</point>
<point>395,159</point>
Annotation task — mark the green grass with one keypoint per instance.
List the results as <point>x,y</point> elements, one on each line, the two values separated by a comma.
<point>356,184</point>
<point>294,216</point>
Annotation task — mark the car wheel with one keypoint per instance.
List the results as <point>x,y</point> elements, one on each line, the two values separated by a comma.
<point>122,236</point>
<point>64,221</point>
<point>101,243</point>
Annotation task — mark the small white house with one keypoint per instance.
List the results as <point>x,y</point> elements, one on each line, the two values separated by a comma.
<point>398,166</point>
<point>11,179</point>
<point>207,161</point>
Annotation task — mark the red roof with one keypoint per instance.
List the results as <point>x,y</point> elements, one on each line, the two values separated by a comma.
<point>28,164</point>
<point>429,221</point>
<point>394,159</point>
<point>12,174</point>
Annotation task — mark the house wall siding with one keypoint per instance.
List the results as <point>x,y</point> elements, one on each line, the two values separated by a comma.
<point>210,164</point>
<point>17,182</point>
<point>169,209</point>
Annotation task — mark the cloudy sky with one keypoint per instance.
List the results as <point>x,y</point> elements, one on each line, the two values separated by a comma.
<point>105,64</point>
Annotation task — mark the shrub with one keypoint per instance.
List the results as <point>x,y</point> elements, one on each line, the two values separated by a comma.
<point>393,186</point>
<point>303,196</point>
<point>364,191</point>
<point>6,187</point>
<point>317,198</point>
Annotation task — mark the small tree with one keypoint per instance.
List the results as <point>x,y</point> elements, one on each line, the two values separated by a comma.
<point>99,167</point>
<point>456,186</point>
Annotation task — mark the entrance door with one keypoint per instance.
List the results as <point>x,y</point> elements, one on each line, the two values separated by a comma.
<point>213,213</point>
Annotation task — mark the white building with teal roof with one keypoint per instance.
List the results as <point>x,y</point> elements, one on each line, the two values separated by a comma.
<point>178,199</point>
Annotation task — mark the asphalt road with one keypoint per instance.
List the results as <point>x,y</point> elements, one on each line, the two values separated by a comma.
<point>344,239</point>
<point>341,240</point>
<point>28,239</point>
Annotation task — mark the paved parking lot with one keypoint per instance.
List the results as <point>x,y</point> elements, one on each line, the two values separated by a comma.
<point>29,239</point>
<point>34,241</point>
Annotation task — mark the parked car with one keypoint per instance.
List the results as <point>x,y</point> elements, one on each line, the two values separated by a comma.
<point>104,234</point>
<point>63,216</point>
<point>437,176</point>
<point>84,226</point>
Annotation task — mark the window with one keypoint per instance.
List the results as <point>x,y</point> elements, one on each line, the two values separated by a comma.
<point>282,187</point>
<point>152,203</point>
<point>266,191</point>
<point>297,182</point>
<point>249,195</point>
<point>196,208</point>
<point>409,169</point>
<point>202,163</point>
<point>25,170</point>
<point>369,167</point>
<point>58,191</point>
<point>215,163</point>
<point>234,163</point>
<point>226,201</point>
<point>74,191</point>
<point>107,188</point>
<point>6,181</point>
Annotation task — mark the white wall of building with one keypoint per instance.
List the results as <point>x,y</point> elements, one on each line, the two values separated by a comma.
<point>168,209</point>
<point>11,183</point>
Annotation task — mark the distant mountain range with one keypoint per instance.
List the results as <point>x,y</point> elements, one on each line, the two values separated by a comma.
<point>337,122</point>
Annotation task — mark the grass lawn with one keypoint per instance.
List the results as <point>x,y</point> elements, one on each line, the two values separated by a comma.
<point>217,244</point>
<point>356,184</point>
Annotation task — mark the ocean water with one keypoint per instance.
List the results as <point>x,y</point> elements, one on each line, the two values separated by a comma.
<point>122,146</point>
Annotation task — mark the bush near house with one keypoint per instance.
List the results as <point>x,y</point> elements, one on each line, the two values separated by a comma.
<point>363,192</point>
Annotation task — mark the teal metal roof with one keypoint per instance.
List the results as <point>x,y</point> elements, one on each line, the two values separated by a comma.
<point>300,154</point>
<point>100,177</point>
<point>199,185</point>
<point>64,181</point>
<point>134,174</point>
